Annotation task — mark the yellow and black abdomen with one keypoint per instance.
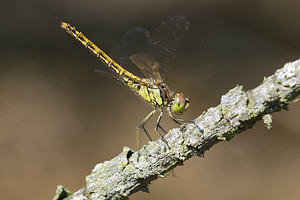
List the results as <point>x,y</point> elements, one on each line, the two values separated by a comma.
<point>153,92</point>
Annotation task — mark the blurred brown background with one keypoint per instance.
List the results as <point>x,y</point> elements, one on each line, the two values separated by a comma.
<point>58,118</point>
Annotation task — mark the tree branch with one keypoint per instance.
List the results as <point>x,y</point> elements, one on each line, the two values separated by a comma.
<point>132,171</point>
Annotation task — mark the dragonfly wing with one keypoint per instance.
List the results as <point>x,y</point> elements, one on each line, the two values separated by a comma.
<point>165,40</point>
<point>148,65</point>
<point>152,55</point>
<point>134,42</point>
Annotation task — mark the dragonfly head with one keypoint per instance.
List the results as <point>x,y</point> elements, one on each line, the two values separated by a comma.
<point>179,103</point>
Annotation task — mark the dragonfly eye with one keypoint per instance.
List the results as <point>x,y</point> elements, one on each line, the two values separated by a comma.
<point>179,103</point>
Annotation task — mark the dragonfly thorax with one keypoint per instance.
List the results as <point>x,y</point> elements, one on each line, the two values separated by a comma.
<point>155,92</point>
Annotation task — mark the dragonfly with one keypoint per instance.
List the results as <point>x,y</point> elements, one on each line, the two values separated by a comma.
<point>151,56</point>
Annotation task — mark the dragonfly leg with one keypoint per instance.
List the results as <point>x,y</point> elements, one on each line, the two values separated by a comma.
<point>162,129</point>
<point>142,126</point>
<point>158,125</point>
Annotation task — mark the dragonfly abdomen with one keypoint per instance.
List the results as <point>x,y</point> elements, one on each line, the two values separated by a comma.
<point>110,63</point>
<point>153,93</point>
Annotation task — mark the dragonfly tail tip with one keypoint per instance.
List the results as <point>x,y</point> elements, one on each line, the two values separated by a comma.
<point>63,25</point>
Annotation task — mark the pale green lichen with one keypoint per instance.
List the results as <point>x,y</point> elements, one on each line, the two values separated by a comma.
<point>61,193</point>
<point>267,121</point>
